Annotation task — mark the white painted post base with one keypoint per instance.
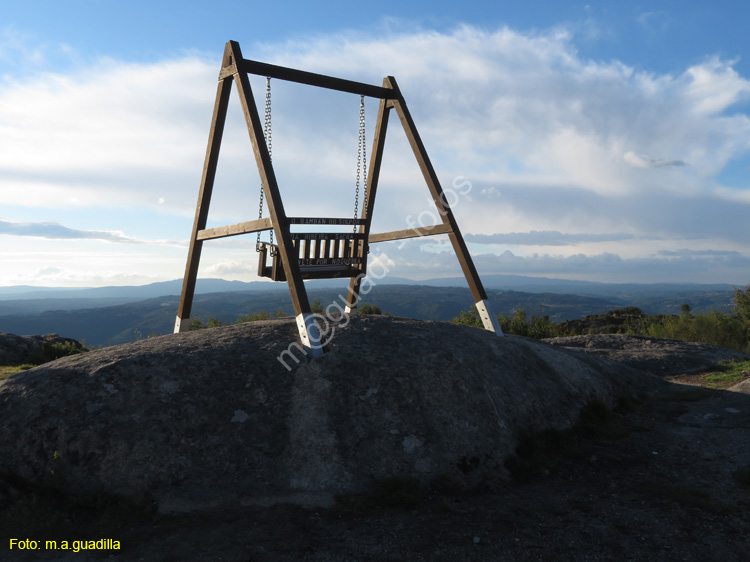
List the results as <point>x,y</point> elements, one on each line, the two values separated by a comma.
<point>180,326</point>
<point>489,318</point>
<point>349,309</point>
<point>309,334</point>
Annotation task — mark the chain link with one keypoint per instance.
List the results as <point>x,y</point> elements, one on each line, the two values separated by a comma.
<point>363,139</point>
<point>267,134</point>
<point>361,160</point>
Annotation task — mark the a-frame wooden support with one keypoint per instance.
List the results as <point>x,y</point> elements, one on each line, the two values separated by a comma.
<point>235,69</point>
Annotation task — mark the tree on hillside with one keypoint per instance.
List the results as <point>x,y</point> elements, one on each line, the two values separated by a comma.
<point>742,304</point>
<point>470,318</point>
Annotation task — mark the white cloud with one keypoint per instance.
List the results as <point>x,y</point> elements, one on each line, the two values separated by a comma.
<point>109,135</point>
<point>545,238</point>
<point>16,45</point>
<point>714,86</point>
<point>655,21</point>
<point>232,269</point>
<point>75,277</point>
<point>412,260</point>
<point>56,231</point>
<point>643,161</point>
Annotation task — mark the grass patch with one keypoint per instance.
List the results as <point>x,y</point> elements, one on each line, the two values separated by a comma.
<point>10,370</point>
<point>728,373</point>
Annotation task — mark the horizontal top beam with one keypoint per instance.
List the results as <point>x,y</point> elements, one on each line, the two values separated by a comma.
<point>309,78</point>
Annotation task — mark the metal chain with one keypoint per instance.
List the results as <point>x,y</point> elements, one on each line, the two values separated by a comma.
<point>267,134</point>
<point>363,141</point>
<point>361,159</point>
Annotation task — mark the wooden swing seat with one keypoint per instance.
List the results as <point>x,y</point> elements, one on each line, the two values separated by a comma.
<point>320,255</point>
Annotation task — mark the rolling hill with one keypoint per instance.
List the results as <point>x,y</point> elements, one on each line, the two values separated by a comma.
<point>114,315</point>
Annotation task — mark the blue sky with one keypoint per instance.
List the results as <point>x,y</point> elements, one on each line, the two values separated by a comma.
<point>599,141</point>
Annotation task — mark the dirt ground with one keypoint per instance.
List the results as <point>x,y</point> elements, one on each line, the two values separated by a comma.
<point>664,479</point>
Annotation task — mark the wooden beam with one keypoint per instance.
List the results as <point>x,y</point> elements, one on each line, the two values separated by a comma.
<point>410,233</point>
<point>204,196</point>
<point>235,229</point>
<point>304,77</point>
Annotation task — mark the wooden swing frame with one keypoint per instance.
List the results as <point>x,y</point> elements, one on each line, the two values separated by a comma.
<point>299,256</point>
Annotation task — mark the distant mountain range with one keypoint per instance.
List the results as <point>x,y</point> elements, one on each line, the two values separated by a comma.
<point>123,294</point>
<point>111,315</point>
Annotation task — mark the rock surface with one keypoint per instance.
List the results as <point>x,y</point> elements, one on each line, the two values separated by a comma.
<point>656,356</point>
<point>211,418</point>
<point>16,350</point>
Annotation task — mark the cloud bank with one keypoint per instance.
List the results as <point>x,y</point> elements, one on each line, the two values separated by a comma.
<point>56,231</point>
<point>53,230</point>
<point>562,151</point>
<point>544,238</point>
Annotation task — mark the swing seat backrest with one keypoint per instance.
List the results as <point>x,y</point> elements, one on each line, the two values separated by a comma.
<point>320,255</point>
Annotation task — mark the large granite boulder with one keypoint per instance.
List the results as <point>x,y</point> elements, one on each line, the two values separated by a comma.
<point>661,357</point>
<point>212,417</point>
<point>16,350</point>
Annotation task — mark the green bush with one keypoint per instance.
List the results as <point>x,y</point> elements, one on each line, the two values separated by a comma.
<point>370,309</point>
<point>254,317</point>
<point>536,327</point>
<point>196,324</point>
<point>469,318</point>
<point>56,351</point>
<point>64,349</point>
<point>716,328</point>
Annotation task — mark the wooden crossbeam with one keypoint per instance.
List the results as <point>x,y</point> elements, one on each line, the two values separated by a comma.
<point>409,233</point>
<point>235,229</point>
<point>304,77</point>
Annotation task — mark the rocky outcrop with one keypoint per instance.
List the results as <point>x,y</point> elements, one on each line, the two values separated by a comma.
<point>206,418</point>
<point>16,350</point>
<point>653,355</point>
